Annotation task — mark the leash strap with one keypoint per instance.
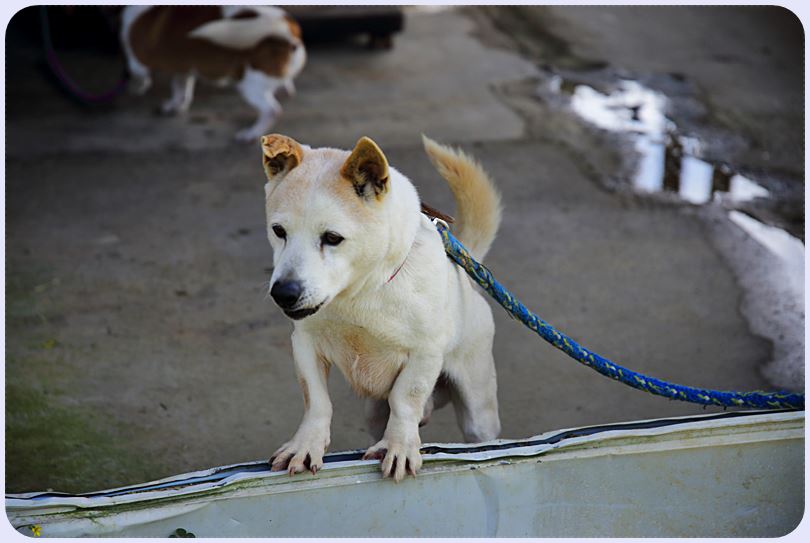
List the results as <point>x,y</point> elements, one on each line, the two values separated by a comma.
<point>483,277</point>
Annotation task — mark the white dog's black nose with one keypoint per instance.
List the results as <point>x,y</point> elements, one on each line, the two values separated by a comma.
<point>286,293</point>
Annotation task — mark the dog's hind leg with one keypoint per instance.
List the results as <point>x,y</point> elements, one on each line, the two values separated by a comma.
<point>259,90</point>
<point>437,400</point>
<point>377,413</point>
<point>289,87</point>
<point>473,390</point>
<point>140,78</point>
<point>182,95</point>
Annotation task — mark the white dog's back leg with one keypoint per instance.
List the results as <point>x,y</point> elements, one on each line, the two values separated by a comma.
<point>259,90</point>
<point>182,95</point>
<point>473,390</point>
<point>437,400</point>
<point>377,412</point>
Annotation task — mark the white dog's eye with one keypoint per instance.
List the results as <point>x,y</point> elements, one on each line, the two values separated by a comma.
<point>279,231</point>
<point>331,238</point>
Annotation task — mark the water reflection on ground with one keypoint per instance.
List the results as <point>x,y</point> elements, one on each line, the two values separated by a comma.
<point>668,161</point>
<point>672,163</point>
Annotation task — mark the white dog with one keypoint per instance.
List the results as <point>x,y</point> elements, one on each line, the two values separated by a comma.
<point>257,48</point>
<point>364,275</point>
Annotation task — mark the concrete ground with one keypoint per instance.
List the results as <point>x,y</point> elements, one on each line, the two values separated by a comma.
<point>139,338</point>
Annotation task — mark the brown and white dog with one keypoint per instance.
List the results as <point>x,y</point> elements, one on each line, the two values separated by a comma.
<point>364,276</point>
<point>257,48</point>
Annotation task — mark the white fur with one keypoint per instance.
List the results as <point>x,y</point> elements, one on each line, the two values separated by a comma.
<point>245,33</point>
<point>297,61</point>
<point>391,339</point>
<point>182,95</point>
<point>259,90</point>
<point>140,73</point>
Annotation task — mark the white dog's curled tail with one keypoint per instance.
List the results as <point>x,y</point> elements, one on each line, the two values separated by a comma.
<point>478,202</point>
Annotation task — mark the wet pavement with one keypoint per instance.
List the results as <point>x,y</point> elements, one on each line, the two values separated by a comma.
<point>139,338</point>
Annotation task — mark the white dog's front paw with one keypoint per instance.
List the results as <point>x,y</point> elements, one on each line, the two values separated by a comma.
<point>303,452</point>
<point>399,455</point>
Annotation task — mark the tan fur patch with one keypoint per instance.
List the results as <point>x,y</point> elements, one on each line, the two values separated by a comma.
<point>271,56</point>
<point>160,41</point>
<point>304,391</point>
<point>280,153</point>
<point>319,170</point>
<point>367,165</point>
<point>326,365</point>
<point>478,202</point>
<point>295,28</point>
<point>370,372</point>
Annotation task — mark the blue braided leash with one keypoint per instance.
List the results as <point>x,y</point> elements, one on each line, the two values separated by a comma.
<point>483,277</point>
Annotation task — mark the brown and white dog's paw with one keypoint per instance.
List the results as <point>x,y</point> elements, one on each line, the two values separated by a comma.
<point>139,84</point>
<point>302,452</point>
<point>248,135</point>
<point>399,456</point>
<point>252,133</point>
<point>170,108</point>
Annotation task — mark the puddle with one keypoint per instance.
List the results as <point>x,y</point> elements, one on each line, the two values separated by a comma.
<point>630,108</point>
<point>669,162</point>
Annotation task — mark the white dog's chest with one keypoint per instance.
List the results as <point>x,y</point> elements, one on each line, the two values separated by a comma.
<point>369,365</point>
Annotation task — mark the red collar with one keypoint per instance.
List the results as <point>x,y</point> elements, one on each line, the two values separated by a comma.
<point>396,271</point>
<point>432,214</point>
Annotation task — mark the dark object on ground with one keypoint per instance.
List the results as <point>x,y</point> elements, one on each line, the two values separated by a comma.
<point>332,23</point>
<point>88,28</point>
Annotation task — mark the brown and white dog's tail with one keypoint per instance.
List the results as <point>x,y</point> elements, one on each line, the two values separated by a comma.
<point>478,202</point>
<point>243,27</point>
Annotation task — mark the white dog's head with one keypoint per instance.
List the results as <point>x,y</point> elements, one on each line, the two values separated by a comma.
<point>333,221</point>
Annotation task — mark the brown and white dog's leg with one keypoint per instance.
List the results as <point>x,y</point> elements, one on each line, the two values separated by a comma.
<point>306,448</point>
<point>182,95</point>
<point>140,79</point>
<point>289,87</point>
<point>259,90</point>
<point>399,447</point>
<point>140,83</point>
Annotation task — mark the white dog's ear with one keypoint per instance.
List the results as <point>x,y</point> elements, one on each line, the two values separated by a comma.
<point>367,169</point>
<point>280,154</point>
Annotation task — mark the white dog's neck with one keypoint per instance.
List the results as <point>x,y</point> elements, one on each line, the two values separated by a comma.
<point>402,204</point>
